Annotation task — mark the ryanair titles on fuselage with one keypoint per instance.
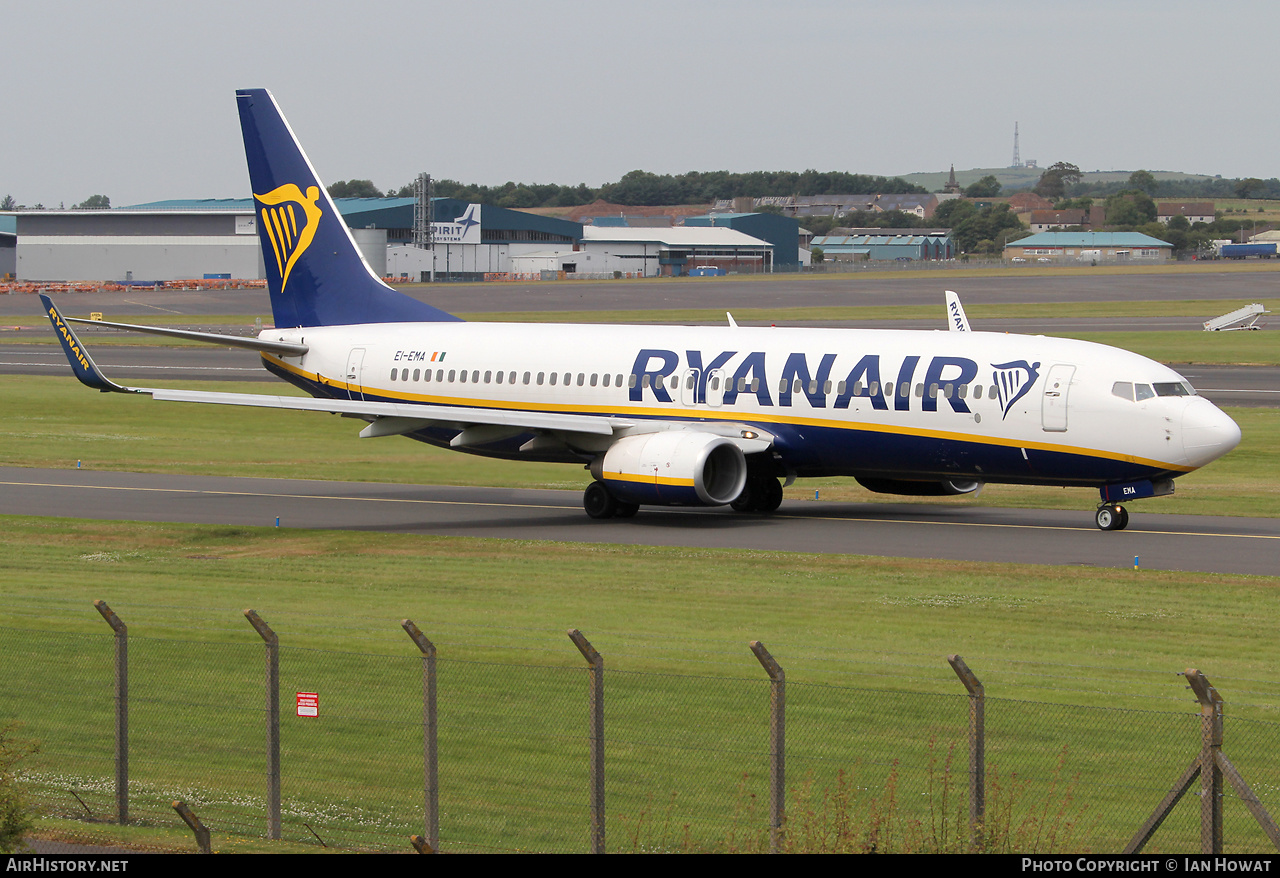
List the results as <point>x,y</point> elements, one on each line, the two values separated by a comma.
<point>748,375</point>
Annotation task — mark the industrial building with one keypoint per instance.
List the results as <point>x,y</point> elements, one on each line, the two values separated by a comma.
<point>8,246</point>
<point>217,238</point>
<point>887,245</point>
<point>1089,247</point>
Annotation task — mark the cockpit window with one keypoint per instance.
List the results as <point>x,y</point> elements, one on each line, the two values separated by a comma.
<point>1123,389</point>
<point>1143,391</point>
<point>1174,388</point>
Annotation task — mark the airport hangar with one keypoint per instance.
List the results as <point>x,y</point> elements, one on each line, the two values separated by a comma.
<point>217,238</point>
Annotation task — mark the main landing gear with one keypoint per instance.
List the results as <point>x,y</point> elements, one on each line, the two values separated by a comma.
<point>1112,516</point>
<point>599,503</point>
<point>762,494</point>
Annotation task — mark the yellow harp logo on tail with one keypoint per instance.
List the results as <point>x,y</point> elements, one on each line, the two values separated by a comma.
<point>289,220</point>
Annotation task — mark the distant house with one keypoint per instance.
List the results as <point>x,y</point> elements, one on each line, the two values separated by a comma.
<point>1194,211</point>
<point>1025,202</point>
<point>1044,220</point>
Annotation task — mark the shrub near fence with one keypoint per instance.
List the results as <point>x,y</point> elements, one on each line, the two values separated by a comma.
<point>687,763</point>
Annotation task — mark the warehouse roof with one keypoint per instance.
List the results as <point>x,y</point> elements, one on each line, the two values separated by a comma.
<point>676,236</point>
<point>1090,239</point>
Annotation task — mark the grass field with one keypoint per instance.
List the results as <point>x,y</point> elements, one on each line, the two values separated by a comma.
<point>1074,658</point>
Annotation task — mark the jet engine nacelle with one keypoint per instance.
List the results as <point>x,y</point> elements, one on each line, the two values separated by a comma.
<point>943,488</point>
<point>673,468</point>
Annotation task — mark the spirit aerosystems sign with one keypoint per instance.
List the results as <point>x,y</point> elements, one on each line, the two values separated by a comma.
<point>464,230</point>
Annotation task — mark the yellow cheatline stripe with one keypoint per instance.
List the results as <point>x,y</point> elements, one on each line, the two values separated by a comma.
<point>648,479</point>
<point>709,415</point>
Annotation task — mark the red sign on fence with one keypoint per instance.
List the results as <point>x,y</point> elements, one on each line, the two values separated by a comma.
<point>308,704</point>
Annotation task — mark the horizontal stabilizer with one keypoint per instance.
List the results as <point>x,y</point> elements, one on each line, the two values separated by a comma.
<point>280,348</point>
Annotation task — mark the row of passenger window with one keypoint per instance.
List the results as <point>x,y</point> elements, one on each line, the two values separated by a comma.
<point>596,379</point>
<point>490,377</point>
<point>1138,392</point>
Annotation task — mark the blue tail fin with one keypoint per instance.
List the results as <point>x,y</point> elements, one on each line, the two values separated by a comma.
<point>315,273</point>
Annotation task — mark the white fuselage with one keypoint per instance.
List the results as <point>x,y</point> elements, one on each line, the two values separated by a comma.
<point>840,401</point>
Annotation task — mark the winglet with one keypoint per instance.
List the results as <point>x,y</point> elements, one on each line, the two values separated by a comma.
<point>956,321</point>
<point>81,363</point>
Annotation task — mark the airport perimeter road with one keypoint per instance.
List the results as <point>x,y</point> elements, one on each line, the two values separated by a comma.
<point>1165,542</point>
<point>771,291</point>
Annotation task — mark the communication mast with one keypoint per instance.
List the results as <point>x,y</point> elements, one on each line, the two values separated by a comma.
<point>1017,159</point>
<point>423,236</point>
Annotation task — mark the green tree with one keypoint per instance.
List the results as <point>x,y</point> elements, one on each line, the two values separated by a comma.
<point>1130,209</point>
<point>354,189</point>
<point>93,202</point>
<point>953,212</point>
<point>1143,181</point>
<point>1057,177</point>
<point>1250,187</point>
<point>987,187</point>
<point>986,231</point>
<point>8,203</point>
<point>817,255</point>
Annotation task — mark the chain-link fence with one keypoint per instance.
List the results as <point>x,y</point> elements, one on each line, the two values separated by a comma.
<point>502,760</point>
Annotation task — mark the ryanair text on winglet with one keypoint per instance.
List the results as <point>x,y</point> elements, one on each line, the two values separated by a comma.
<point>70,340</point>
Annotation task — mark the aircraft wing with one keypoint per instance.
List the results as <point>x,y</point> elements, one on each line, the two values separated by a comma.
<point>476,425</point>
<point>427,414</point>
<point>407,416</point>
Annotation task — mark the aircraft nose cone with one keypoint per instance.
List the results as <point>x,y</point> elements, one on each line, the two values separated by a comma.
<point>1207,432</point>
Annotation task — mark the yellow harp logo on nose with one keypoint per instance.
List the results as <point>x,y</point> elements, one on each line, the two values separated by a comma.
<point>289,220</point>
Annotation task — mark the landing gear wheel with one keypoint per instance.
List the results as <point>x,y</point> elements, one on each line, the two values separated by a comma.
<point>771,496</point>
<point>598,502</point>
<point>759,495</point>
<point>746,501</point>
<point>1111,517</point>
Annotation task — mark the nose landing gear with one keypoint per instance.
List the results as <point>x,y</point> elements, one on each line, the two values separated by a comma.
<point>1112,516</point>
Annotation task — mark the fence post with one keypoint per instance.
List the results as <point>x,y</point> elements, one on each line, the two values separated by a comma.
<point>430,773</point>
<point>977,749</point>
<point>202,834</point>
<point>595,703</point>
<point>273,721</point>
<point>122,709</point>
<point>1213,766</point>
<point>1210,770</point>
<point>777,743</point>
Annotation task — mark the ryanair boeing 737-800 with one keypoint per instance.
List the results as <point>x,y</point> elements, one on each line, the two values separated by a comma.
<point>694,415</point>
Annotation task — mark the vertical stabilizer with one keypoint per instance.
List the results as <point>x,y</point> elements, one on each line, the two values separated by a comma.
<point>315,272</point>
<point>956,319</point>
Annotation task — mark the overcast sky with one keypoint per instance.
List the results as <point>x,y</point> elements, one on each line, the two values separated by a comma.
<point>135,100</point>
